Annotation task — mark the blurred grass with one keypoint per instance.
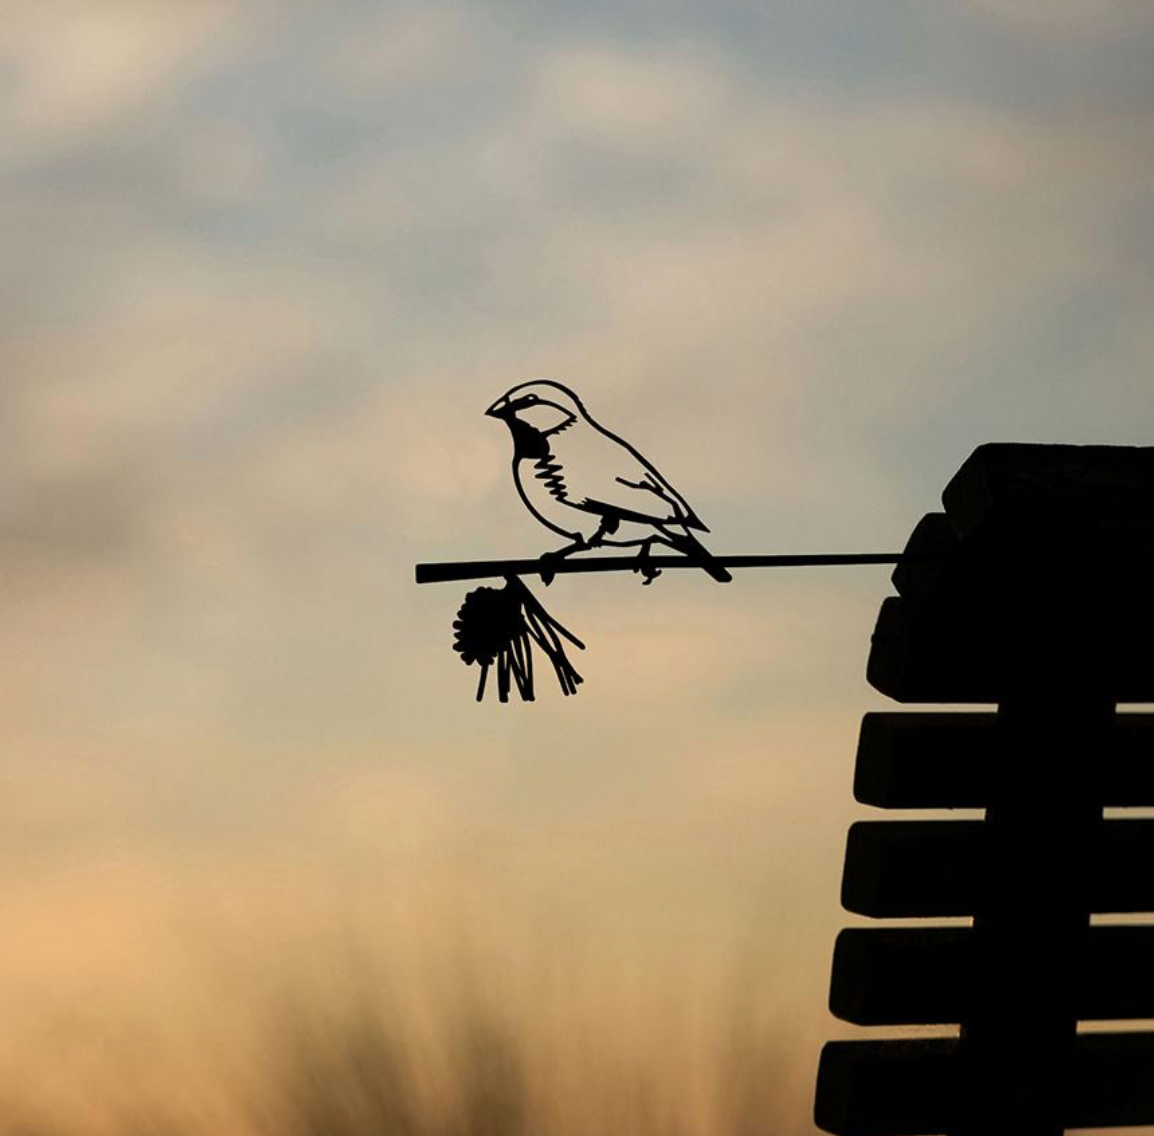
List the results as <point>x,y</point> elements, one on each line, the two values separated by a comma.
<point>465,1057</point>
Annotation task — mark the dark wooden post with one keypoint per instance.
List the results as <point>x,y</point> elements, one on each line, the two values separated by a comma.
<point>1032,918</point>
<point>1041,600</point>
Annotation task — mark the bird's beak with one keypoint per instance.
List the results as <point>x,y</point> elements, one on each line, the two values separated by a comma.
<point>497,410</point>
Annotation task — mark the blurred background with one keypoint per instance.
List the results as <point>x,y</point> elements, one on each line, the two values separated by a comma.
<point>265,866</point>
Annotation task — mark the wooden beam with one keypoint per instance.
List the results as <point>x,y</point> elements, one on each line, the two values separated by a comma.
<point>952,760</point>
<point>930,975</point>
<point>916,1087</point>
<point>904,869</point>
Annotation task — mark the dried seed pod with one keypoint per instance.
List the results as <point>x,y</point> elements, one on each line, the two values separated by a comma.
<point>498,626</point>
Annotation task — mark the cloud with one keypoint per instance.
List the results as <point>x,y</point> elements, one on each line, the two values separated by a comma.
<point>795,257</point>
<point>756,291</point>
<point>402,46</point>
<point>631,103</point>
<point>74,68</point>
<point>757,269</point>
<point>1068,18</point>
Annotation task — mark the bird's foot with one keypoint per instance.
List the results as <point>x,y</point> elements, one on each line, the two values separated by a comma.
<point>548,562</point>
<point>648,572</point>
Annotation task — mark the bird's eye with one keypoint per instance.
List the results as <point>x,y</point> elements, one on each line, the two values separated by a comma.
<point>530,398</point>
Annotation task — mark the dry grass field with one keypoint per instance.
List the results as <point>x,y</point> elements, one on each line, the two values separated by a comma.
<point>477,1049</point>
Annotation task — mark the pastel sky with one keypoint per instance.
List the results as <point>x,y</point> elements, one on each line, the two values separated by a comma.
<point>263,263</point>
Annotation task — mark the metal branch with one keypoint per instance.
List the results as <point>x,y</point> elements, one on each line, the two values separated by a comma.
<point>486,569</point>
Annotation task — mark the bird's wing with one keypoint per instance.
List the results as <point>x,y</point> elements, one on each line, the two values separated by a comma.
<point>606,475</point>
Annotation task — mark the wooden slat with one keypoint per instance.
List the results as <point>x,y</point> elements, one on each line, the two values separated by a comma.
<point>896,869</point>
<point>916,1087</point>
<point>888,1088</point>
<point>902,976</point>
<point>950,760</point>
<point>989,646</point>
<point>929,975</point>
<point>901,869</point>
<point>1113,1081</point>
<point>925,761</point>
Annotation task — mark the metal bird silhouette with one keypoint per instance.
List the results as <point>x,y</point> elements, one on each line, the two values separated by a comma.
<point>592,487</point>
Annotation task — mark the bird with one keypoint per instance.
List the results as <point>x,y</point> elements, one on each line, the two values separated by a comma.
<point>592,487</point>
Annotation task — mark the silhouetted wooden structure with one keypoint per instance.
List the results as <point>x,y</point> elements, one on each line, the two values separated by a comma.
<point>1033,590</point>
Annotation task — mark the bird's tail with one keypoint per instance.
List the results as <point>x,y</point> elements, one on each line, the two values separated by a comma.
<point>687,544</point>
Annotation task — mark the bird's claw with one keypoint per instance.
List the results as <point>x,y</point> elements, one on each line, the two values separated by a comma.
<point>646,569</point>
<point>643,565</point>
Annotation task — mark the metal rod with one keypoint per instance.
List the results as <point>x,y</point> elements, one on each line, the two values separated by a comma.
<point>485,569</point>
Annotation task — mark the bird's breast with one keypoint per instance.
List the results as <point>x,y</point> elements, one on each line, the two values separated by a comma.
<point>551,473</point>
<point>541,483</point>
<point>543,477</point>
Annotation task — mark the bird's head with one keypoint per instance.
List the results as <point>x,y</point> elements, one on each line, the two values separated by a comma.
<point>542,404</point>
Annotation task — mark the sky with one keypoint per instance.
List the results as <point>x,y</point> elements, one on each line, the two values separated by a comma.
<point>264,264</point>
